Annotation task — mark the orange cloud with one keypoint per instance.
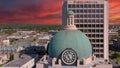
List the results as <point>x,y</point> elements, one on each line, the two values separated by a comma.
<point>115,11</point>
<point>43,11</point>
<point>47,12</point>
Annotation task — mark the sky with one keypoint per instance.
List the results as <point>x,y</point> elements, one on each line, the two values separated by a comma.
<point>42,11</point>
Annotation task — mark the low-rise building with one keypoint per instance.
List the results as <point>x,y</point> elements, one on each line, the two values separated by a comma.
<point>44,40</point>
<point>6,42</point>
<point>3,58</point>
<point>14,37</point>
<point>26,61</point>
<point>12,50</point>
<point>26,32</point>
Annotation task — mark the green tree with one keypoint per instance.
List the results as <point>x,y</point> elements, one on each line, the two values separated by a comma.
<point>9,31</point>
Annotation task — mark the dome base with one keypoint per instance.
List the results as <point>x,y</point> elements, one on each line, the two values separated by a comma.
<point>70,27</point>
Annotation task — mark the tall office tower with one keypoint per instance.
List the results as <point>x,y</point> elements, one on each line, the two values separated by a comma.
<point>91,17</point>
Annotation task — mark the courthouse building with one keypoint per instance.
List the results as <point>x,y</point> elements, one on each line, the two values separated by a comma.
<point>71,48</point>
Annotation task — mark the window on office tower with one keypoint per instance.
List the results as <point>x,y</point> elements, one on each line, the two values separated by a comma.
<point>93,45</point>
<point>93,50</point>
<point>93,40</point>
<point>77,11</point>
<point>97,30</point>
<point>89,35</point>
<point>77,6</point>
<point>101,55</point>
<point>74,11</point>
<point>81,25</point>
<point>81,21</point>
<point>97,55</point>
<point>77,25</point>
<point>85,11</point>
<point>93,30</point>
<point>101,25</point>
<point>97,35</point>
<point>97,10</point>
<point>102,16</point>
<point>101,45</point>
<point>93,10</point>
<point>89,15</point>
<point>85,25</point>
<point>89,10</point>
<point>93,25</point>
<point>97,45</point>
<point>102,21</point>
<point>90,30</point>
<point>101,35</point>
<point>85,16</point>
<point>93,5</point>
<point>89,25</point>
<point>76,20</point>
<point>85,21</point>
<point>81,16</point>
<point>89,20</point>
<point>81,5</point>
<point>101,40</point>
<point>73,5</point>
<point>93,35</point>
<point>97,21</point>
<point>102,5</point>
<point>85,30</point>
<point>93,15</point>
<point>97,5</point>
<point>76,16</point>
<point>101,30</point>
<point>97,40</point>
<point>81,11</point>
<point>69,6</point>
<point>97,16</point>
<point>81,30</point>
<point>97,25</point>
<point>102,10</point>
<point>89,6</point>
<point>85,5</point>
<point>97,50</point>
<point>93,21</point>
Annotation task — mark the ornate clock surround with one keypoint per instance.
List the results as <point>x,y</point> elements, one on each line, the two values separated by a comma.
<point>69,56</point>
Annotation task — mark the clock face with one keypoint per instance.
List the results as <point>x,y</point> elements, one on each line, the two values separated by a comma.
<point>69,56</point>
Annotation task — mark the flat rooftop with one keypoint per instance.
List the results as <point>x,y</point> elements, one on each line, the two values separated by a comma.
<point>19,62</point>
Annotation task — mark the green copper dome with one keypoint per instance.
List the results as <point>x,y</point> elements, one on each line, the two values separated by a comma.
<point>70,12</point>
<point>74,39</point>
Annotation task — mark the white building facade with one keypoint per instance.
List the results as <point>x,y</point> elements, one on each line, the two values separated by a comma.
<point>23,62</point>
<point>91,17</point>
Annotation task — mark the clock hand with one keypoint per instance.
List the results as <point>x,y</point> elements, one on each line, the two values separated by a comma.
<point>68,56</point>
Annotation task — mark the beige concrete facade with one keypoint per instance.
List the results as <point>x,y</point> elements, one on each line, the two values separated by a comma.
<point>92,18</point>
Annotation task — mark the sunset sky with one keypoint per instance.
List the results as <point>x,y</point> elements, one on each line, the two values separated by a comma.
<point>42,11</point>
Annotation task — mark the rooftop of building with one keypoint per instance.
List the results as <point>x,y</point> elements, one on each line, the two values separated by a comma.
<point>13,48</point>
<point>19,62</point>
<point>26,44</point>
<point>8,48</point>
